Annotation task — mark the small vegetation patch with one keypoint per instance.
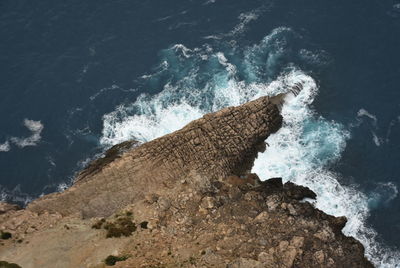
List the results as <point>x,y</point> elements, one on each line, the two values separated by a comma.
<point>5,235</point>
<point>99,224</point>
<point>121,225</point>
<point>143,224</point>
<point>112,260</point>
<point>192,260</point>
<point>4,264</point>
<point>129,213</point>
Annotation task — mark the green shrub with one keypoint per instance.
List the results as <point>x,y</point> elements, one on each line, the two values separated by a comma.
<point>4,264</point>
<point>121,227</point>
<point>143,224</point>
<point>5,235</point>
<point>112,260</point>
<point>129,213</point>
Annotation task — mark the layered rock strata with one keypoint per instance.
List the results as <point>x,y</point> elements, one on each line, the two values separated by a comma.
<point>183,200</point>
<point>215,146</point>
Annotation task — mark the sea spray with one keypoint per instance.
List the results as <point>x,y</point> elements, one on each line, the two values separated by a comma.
<point>206,79</point>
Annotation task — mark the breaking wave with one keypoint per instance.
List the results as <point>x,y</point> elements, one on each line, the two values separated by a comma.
<point>303,151</point>
<point>14,196</point>
<point>202,80</point>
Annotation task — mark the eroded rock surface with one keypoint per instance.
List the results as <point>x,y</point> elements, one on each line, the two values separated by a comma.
<point>5,207</point>
<point>184,200</point>
<point>218,145</point>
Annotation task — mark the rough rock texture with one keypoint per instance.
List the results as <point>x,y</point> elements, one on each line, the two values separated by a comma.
<point>184,200</point>
<point>109,156</point>
<point>5,207</point>
<point>216,146</point>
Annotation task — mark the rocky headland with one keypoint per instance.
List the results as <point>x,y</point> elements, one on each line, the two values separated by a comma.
<point>186,199</point>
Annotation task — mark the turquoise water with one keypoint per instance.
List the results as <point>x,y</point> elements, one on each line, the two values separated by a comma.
<point>79,77</point>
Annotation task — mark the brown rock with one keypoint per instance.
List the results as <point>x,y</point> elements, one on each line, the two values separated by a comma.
<point>273,183</point>
<point>6,207</point>
<point>263,216</point>
<point>124,177</point>
<point>265,257</point>
<point>201,206</point>
<point>245,263</point>
<point>297,241</point>
<point>207,202</point>
<point>319,257</point>
<point>298,192</point>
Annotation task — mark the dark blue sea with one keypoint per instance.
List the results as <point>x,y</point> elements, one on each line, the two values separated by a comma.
<point>77,77</point>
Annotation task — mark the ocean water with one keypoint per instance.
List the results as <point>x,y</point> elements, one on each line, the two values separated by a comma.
<point>79,76</point>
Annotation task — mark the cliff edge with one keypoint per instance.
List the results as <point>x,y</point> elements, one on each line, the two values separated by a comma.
<point>186,199</point>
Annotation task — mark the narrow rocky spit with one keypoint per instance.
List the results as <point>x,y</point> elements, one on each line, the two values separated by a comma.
<point>187,199</point>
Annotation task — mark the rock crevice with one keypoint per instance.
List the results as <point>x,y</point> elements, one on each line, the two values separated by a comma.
<point>186,199</point>
<point>215,146</point>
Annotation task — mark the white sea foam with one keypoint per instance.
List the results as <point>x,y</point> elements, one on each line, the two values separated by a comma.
<point>378,141</point>
<point>302,151</point>
<point>363,112</point>
<point>5,147</point>
<point>383,194</point>
<point>101,91</point>
<point>209,2</point>
<point>62,187</point>
<point>14,195</point>
<point>245,18</point>
<point>36,128</point>
<point>185,51</point>
<point>155,123</point>
<point>317,58</point>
